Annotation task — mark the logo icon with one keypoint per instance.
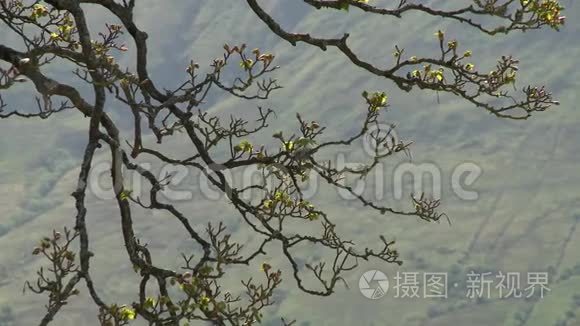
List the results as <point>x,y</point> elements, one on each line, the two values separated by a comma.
<point>380,134</point>
<point>373,284</point>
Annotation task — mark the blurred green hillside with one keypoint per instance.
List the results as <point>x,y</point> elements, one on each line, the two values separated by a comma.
<point>525,219</point>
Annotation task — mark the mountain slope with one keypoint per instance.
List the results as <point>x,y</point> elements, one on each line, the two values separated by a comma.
<point>521,222</point>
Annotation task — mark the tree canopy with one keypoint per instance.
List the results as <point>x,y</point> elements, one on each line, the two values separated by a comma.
<point>54,30</point>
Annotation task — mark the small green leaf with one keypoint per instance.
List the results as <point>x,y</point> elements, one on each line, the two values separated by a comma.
<point>149,303</point>
<point>289,146</point>
<point>124,195</point>
<point>312,216</point>
<point>244,146</point>
<point>247,64</point>
<point>127,313</point>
